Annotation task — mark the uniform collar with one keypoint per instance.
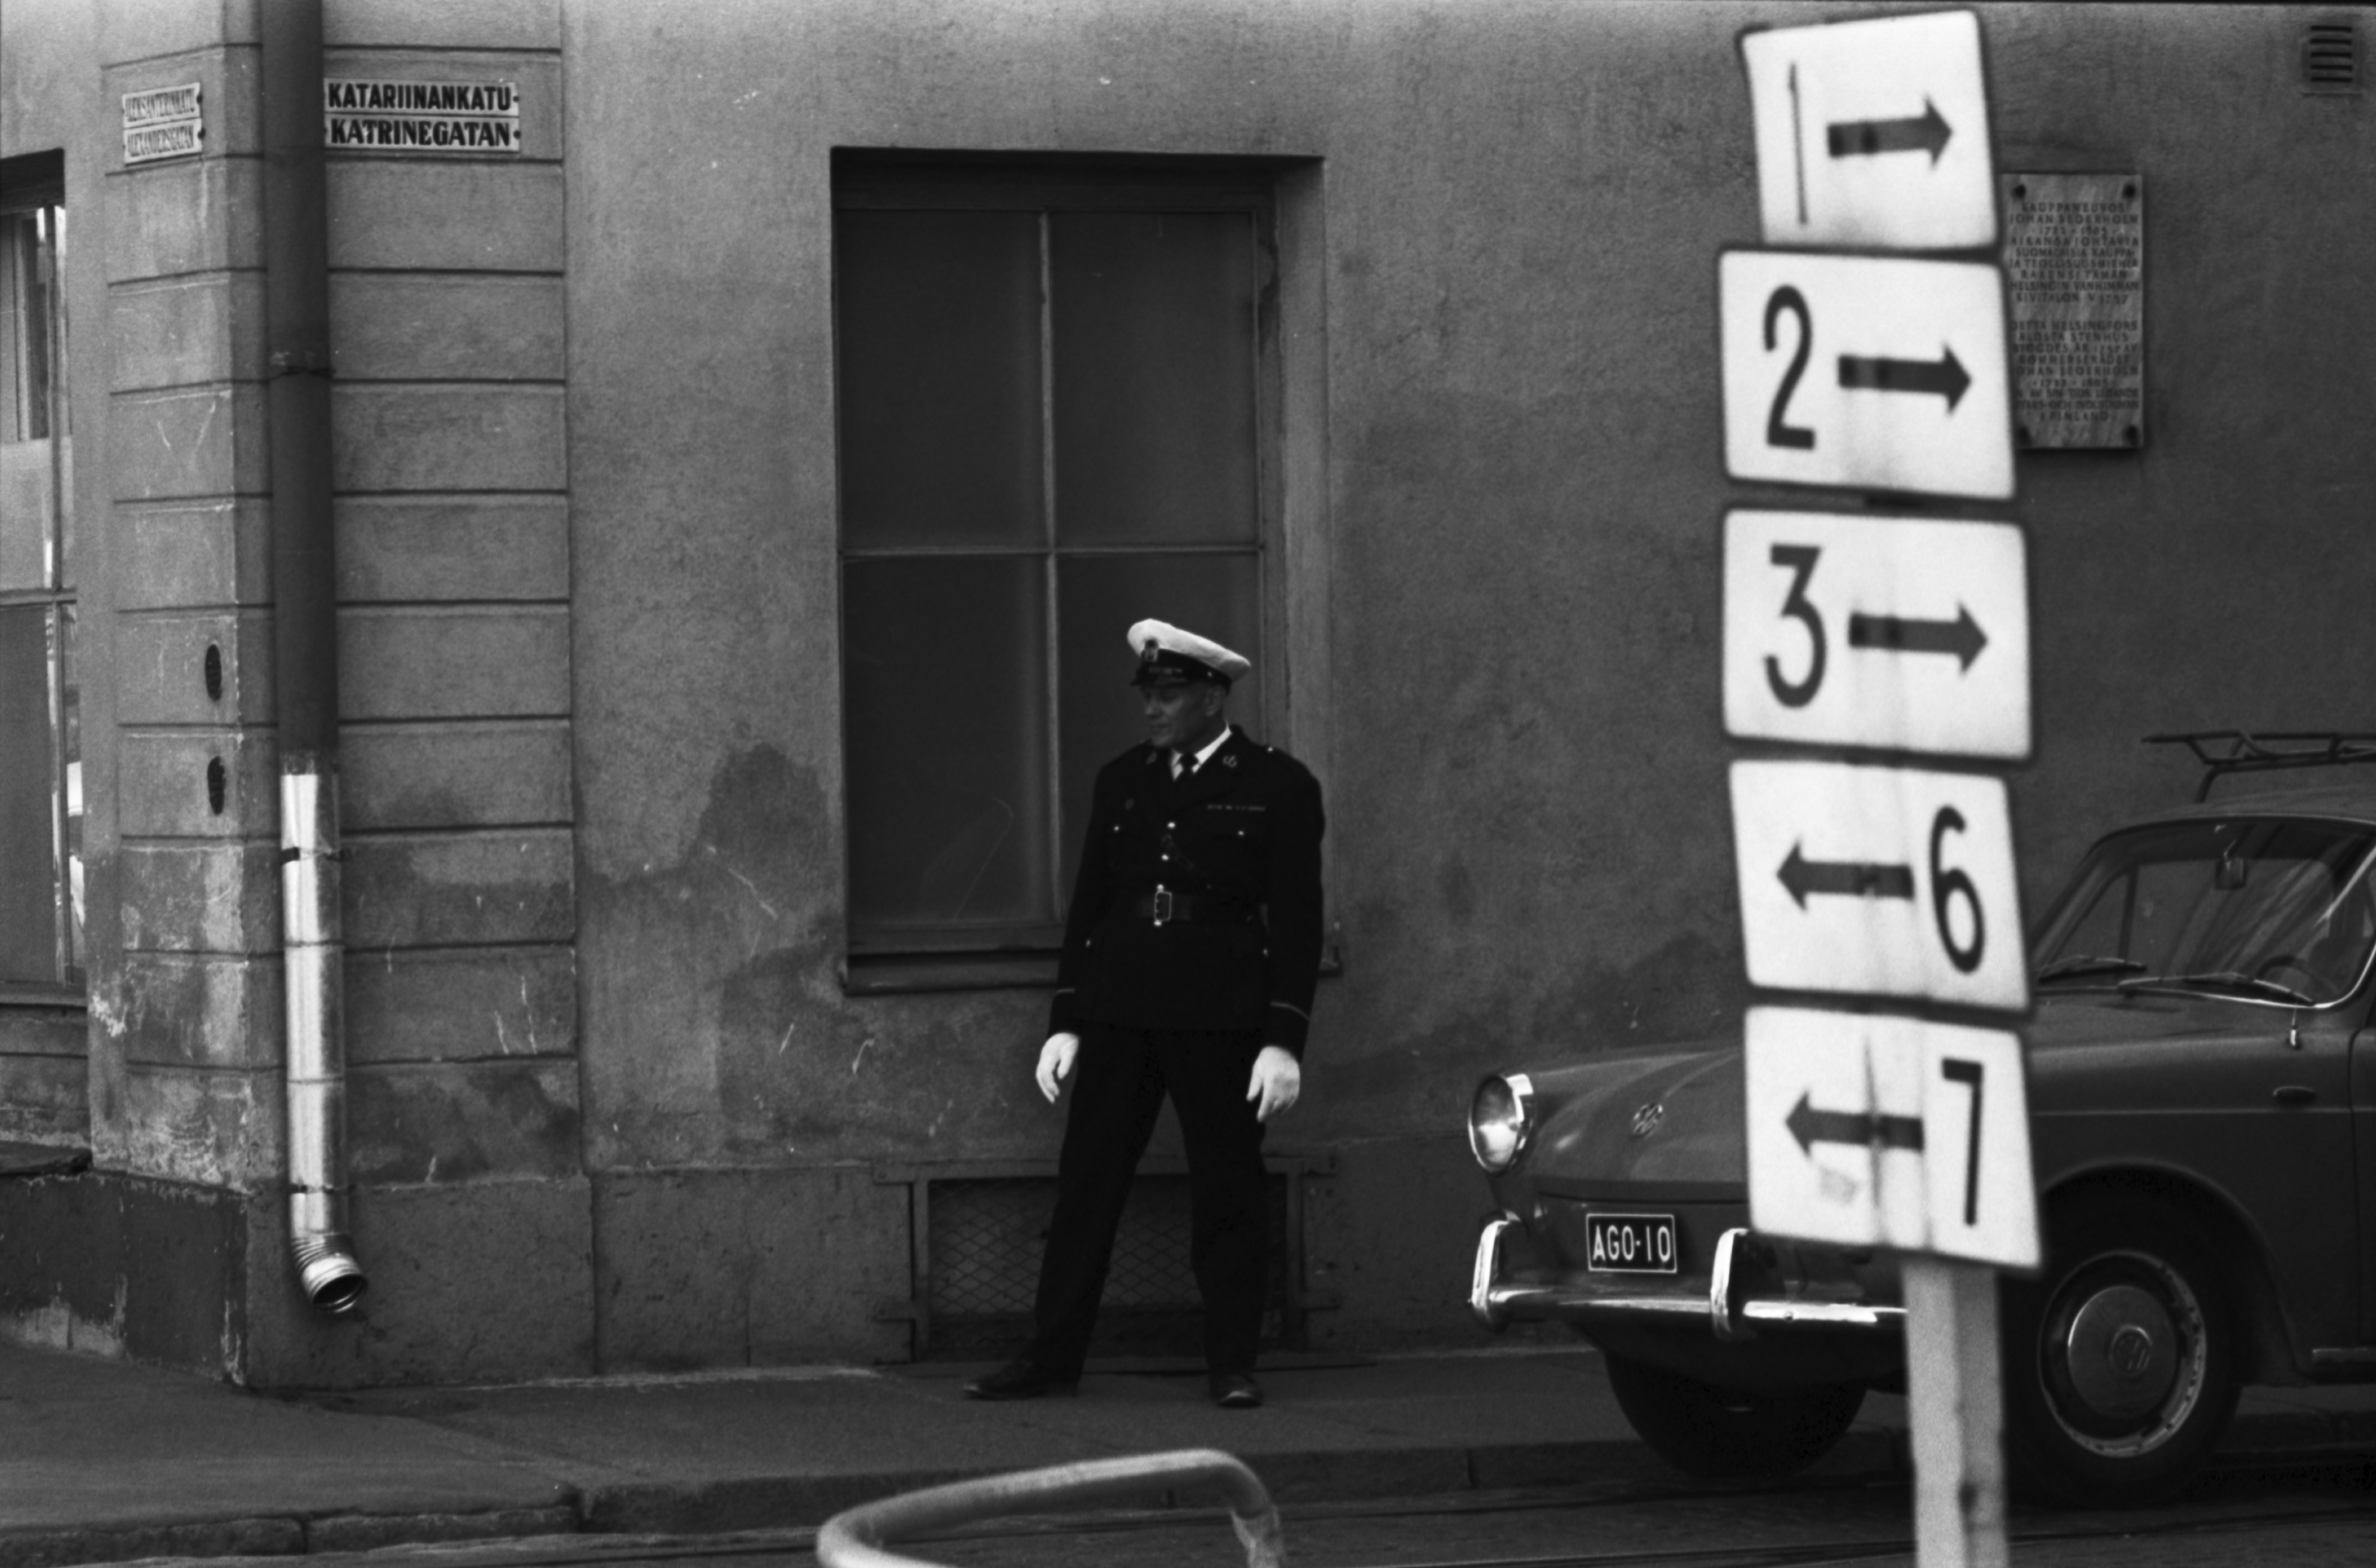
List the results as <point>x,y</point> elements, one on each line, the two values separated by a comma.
<point>1204,754</point>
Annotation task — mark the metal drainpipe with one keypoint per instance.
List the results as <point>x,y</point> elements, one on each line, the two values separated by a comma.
<point>305,650</point>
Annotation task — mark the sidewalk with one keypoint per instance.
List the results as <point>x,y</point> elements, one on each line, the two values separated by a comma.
<point>103,1462</point>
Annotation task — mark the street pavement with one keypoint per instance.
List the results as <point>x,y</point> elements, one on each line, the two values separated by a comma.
<point>102,1461</point>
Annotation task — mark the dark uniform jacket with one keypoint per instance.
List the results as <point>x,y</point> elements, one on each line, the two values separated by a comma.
<point>1237,841</point>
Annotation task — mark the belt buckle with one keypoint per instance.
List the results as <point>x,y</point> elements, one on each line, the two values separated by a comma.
<point>1163,905</point>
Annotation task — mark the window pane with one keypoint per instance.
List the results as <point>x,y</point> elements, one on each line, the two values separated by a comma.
<point>1153,329</point>
<point>26,487</point>
<point>24,514</point>
<point>1099,597</point>
<point>945,674</point>
<point>939,367</point>
<point>61,426</point>
<point>69,732</point>
<point>29,931</point>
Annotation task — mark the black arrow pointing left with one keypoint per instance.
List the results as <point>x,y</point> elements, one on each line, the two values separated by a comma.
<point>1944,375</point>
<point>1928,131</point>
<point>1855,879</point>
<point>1811,1126</point>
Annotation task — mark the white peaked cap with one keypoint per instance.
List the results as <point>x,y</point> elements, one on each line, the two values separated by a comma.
<point>1155,643</point>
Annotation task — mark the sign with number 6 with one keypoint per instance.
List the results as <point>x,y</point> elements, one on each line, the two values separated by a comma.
<point>1878,881</point>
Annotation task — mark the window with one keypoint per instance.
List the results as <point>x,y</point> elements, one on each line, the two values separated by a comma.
<point>2250,906</point>
<point>1053,394</point>
<point>40,756</point>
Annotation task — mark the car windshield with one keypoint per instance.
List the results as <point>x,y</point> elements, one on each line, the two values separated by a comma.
<point>2276,910</point>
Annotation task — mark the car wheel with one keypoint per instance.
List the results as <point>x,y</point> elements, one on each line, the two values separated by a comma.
<point>1717,1431</point>
<point>2121,1357</point>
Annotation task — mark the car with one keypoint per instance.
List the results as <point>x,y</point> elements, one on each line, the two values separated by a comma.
<point>2202,1094</point>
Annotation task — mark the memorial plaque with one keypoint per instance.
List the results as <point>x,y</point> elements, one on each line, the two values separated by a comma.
<point>2076,272</point>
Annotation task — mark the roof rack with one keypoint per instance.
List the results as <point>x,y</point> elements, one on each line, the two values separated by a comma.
<point>2270,749</point>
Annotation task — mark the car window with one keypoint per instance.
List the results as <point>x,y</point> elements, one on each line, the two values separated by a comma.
<point>2273,909</point>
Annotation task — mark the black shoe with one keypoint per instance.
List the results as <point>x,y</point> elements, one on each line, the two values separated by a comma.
<point>1235,1391</point>
<point>1021,1378</point>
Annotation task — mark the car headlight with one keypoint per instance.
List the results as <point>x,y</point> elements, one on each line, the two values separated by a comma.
<point>1501,1119</point>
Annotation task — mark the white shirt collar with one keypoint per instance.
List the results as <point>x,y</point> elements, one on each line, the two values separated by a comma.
<point>1210,747</point>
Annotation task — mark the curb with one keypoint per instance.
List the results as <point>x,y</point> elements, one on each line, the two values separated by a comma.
<point>720,1506</point>
<point>278,1536</point>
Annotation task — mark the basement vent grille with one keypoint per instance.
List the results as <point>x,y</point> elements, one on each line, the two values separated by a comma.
<point>2330,57</point>
<point>986,1240</point>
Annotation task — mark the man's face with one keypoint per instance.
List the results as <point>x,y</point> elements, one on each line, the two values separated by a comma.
<point>1181,717</point>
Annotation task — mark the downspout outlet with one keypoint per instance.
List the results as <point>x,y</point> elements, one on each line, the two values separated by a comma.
<point>314,950</point>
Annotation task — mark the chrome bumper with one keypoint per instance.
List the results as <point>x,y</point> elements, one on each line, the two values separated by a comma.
<point>1728,1312</point>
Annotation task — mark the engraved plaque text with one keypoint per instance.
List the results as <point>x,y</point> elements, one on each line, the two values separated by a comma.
<point>2076,270</point>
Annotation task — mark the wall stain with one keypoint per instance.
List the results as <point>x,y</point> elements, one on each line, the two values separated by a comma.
<point>716,1024</point>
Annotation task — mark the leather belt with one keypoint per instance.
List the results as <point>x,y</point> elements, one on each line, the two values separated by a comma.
<point>1163,907</point>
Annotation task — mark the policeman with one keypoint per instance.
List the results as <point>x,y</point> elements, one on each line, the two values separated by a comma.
<point>1192,950</point>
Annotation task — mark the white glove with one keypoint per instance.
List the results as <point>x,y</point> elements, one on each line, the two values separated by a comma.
<point>1056,1062</point>
<point>1278,1079</point>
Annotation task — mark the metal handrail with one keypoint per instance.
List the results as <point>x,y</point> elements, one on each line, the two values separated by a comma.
<point>856,1538</point>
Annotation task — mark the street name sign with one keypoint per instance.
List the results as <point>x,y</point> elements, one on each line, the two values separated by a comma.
<point>1900,634</point>
<point>1865,373</point>
<point>1878,881</point>
<point>164,122</point>
<point>1869,1130</point>
<point>1873,133</point>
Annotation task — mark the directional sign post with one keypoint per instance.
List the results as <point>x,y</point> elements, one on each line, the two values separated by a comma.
<point>1873,134</point>
<point>1892,632</point>
<point>1883,373</point>
<point>1869,373</point>
<point>1897,1133</point>
<point>1878,881</point>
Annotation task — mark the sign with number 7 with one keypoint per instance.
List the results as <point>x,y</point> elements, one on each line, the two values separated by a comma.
<point>1873,1130</point>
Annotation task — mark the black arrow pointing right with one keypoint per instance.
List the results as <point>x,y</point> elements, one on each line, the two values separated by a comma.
<point>1811,1126</point>
<point>1944,375</point>
<point>1857,879</point>
<point>1898,634</point>
<point>1928,131</point>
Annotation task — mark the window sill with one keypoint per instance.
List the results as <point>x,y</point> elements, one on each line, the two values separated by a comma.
<point>15,997</point>
<point>893,974</point>
<point>886,974</point>
<point>24,1160</point>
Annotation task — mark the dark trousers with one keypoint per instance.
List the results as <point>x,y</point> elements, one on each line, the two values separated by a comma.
<point>1119,1080</point>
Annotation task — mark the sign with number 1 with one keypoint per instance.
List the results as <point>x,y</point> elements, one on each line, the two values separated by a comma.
<point>1873,133</point>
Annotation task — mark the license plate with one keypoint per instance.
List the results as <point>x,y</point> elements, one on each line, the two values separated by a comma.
<point>1630,1243</point>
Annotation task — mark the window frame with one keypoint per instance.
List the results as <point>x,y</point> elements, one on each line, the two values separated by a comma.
<point>923,957</point>
<point>32,183</point>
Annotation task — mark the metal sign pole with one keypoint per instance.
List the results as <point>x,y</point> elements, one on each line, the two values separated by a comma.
<point>1956,1397</point>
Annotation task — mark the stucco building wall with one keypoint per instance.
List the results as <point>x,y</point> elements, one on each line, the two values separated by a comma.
<point>606,1059</point>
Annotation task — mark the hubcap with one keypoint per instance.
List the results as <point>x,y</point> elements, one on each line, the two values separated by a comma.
<point>2122,1352</point>
<point>2123,1359</point>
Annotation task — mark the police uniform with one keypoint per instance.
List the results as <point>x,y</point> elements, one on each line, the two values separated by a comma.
<point>1192,943</point>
